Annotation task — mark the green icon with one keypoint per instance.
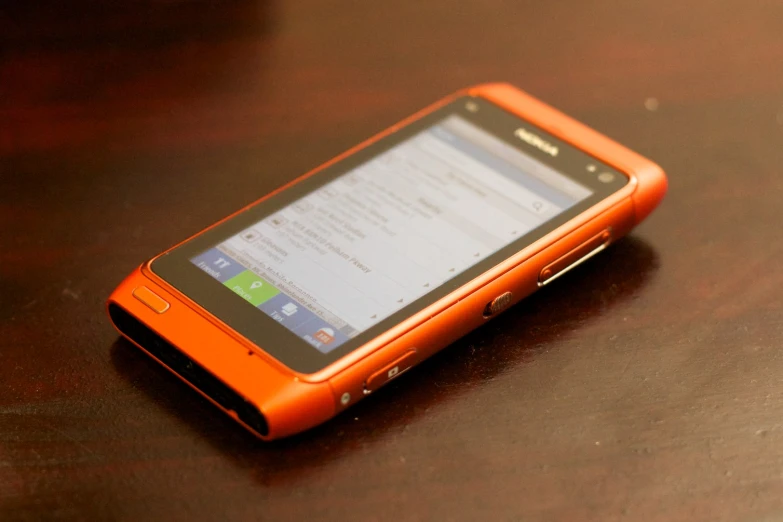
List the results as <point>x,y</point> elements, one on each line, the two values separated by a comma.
<point>252,287</point>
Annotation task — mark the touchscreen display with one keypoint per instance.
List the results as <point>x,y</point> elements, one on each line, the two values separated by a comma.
<point>343,258</point>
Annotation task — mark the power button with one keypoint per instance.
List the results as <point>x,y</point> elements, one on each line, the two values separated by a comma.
<point>389,372</point>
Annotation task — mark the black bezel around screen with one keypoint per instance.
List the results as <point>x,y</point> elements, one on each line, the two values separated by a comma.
<point>175,266</point>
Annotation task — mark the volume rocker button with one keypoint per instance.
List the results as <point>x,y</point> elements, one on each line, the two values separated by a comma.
<point>575,257</point>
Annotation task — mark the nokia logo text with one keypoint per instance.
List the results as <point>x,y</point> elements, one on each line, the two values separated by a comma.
<point>532,139</point>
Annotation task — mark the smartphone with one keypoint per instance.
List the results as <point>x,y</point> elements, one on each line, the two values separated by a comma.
<point>299,305</point>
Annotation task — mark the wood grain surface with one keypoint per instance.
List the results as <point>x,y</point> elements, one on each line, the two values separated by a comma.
<point>646,385</point>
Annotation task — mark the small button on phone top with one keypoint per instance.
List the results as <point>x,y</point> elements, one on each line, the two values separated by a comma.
<point>151,299</point>
<point>389,372</point>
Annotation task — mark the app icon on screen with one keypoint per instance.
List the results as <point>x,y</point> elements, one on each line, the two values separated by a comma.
<point>324,335</point>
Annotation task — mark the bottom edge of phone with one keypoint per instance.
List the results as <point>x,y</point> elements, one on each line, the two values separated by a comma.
<point>190,371</point>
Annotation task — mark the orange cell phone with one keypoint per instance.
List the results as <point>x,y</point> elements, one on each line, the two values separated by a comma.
<point>301,304</point>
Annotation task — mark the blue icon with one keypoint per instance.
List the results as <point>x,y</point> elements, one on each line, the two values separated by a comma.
<point>286,311</point>
<point>217,264</point>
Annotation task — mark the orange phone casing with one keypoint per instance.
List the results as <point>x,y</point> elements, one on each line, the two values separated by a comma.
<point>291,402</point>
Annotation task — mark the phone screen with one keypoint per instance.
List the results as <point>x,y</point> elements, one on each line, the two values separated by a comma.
<point>313,272</point>
<point>336,262</point>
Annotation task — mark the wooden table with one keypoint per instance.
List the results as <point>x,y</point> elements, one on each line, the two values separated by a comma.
<point>647,385</point>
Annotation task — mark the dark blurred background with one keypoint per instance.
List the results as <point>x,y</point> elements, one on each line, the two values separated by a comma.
<point>647,385</point>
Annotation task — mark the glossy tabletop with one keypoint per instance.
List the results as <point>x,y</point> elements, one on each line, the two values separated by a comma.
<point>645,385</point>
